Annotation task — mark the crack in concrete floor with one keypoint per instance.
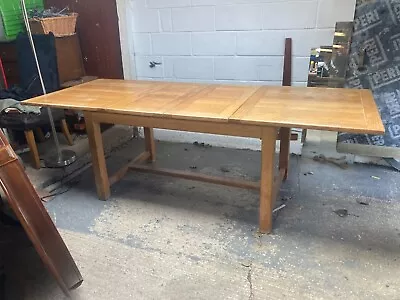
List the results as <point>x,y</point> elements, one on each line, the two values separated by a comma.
<point>250,267</point>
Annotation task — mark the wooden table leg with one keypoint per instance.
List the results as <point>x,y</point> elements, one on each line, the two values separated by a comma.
<point>284,152</point>
<point>65,131</point>
<point>40,135</point>
<point>98,159</point>
<point>150,145</point>
<point>267,178</point>
<point>30,139</point>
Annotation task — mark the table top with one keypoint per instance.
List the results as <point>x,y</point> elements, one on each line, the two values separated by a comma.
<point>350,110</point>
<point>335,109</point>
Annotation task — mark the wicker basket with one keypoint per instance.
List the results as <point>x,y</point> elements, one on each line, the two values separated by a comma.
<point>59,26</point>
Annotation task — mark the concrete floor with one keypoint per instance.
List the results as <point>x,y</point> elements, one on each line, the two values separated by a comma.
<point>164,238</point>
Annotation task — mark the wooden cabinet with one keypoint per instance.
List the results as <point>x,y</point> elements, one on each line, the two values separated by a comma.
<point>69,58</point>
<point>97,27</point>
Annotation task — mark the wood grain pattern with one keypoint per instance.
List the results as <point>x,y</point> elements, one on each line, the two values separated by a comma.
<point>372,118</point>
<point>98,158</point>
<point>156,101</point>
<point>267,178</point>
<point>150,144</point>
<point>65,131</point>
<point>222,128</point>
<point>239,183</point>
<point>214,103</point>
<point>317,108</point>
<point>121,172</point>
<point>28,208</point>
<point>97,94</point>
<point>30,139</point>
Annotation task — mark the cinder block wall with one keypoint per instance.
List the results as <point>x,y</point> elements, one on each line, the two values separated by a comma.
<point>226,40</point>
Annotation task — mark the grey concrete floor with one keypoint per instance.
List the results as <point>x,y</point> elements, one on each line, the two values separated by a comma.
<point>165,238</point>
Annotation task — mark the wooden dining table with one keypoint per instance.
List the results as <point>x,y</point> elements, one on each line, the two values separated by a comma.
<point>264,112</point>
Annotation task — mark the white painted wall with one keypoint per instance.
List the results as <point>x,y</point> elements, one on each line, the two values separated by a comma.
<point>239,40</point>
<point>229,41</point>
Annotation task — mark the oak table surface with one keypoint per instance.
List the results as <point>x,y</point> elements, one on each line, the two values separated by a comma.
<point>317,108</point>
<point>262,112</point>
